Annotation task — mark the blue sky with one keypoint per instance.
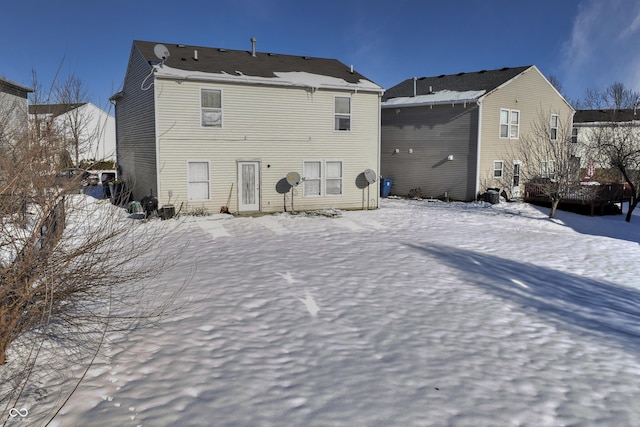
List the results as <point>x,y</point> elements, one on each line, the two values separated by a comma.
<point>586,44</point>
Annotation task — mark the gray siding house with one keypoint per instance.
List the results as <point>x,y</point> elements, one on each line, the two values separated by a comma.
<point>449,135</point>
<point>13,109</point>
<point>203,127</point>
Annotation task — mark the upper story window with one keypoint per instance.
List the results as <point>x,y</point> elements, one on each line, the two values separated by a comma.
<point>574,135</point>
<point>553,127</point>
<point>211,106</point>
<point>342,113</point>
<point>509,124</point>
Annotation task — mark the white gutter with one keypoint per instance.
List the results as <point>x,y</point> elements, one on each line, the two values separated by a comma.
<point>293,79</point>
<point>428,103</point>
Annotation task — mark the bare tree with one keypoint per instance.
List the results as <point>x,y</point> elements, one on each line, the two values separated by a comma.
<point>71,267</point>
<point>547,158</point>
<point>615,97</point>
<point>75,122</point>
<point>614,142</point>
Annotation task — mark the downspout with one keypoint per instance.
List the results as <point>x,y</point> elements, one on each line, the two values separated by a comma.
<point>478,148</point>
<point>378,154</point>
<point>157,142</point>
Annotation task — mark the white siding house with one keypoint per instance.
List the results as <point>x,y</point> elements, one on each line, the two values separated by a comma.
<point>94,129</point>
<point>203,127</point>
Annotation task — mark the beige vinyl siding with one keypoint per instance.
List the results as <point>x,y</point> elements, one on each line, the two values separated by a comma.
<point>528,93</point>
<point>135,129</point>
<point>278,126</point>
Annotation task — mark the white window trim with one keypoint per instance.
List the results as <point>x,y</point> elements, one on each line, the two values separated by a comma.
<point>552,127</point>
<point>342,114</point>
<point>496,169</point>
<point>544,169</point>
<point>327,177</point>
<point>202,126</point>
<point>519,164</point>
<point>509,124</point>
<point>304,178</point>
<point>189,199</point>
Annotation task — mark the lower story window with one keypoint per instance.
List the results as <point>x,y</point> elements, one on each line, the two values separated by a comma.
<point>334,178</point>
<point>322,178</point>
<point>312,178</point>
<point>198,180</point>
<point>548,169</point>
<point>497,168</point>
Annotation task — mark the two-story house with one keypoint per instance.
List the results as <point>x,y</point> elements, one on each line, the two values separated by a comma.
<point>201,127</point>
<point>13,109</point>
<point>450,135</point>
<point>89,131</point>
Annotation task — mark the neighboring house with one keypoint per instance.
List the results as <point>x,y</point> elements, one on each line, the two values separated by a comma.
<point>450,135</point>
<point>13,109</point>
<point>199,127</point>
<point>90,132</point>
<point>588,124</point>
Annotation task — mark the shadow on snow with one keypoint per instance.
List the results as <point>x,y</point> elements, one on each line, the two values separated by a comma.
<point>613,226</point>
<point>586,306</point>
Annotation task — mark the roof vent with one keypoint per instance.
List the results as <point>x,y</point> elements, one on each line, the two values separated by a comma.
<point>253,46</point>
<point>195,54</point>
<point>306,57</point>
<point>222,50</point>
<point>180,45</point>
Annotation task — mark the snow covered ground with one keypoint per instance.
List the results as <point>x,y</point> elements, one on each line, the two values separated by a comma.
<point>416,314</point>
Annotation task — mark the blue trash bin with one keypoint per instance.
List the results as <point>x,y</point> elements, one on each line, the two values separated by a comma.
<point>385,187</point>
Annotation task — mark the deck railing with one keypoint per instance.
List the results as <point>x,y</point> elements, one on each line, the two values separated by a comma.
<point>596,195</point>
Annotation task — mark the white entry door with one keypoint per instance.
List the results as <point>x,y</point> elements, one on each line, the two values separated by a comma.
<point>515,186</point>
<point>248,186</point>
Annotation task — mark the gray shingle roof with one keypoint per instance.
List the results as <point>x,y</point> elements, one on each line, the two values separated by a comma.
<point>486,80</point>
<point>53,109</point>
<point>218,60</point>
<point>591,116</point>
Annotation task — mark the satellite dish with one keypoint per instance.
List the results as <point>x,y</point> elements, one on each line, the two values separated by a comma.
<point>161,52</point>
<point>370,176</point>
<point>293,178</point>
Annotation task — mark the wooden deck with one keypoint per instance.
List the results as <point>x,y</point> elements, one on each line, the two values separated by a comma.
<point>598,199</point>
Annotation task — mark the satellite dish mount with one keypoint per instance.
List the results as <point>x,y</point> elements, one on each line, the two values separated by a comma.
<point>161,52</point>
<point>293,179</point>
<point>371,176</point>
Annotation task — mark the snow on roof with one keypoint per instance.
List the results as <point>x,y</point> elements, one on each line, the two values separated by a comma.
<point>292,78</point>
<point>440,97</point>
